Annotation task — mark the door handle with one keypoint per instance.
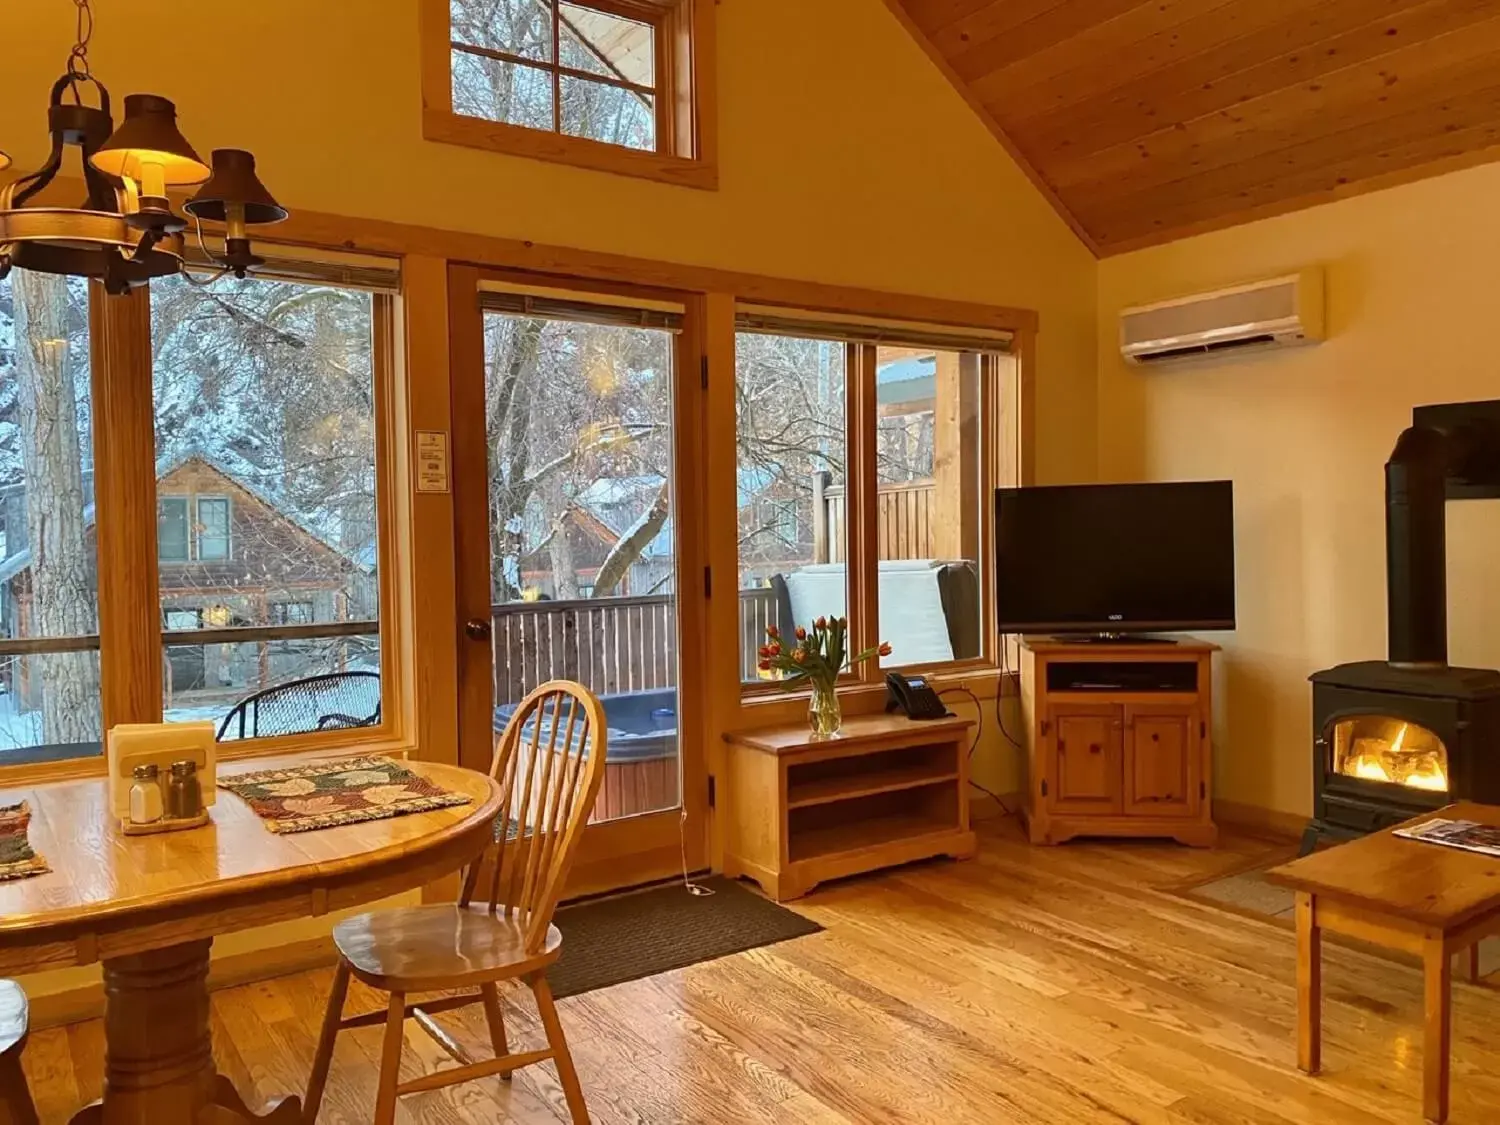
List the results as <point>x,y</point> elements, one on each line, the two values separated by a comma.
<point>477,629</point>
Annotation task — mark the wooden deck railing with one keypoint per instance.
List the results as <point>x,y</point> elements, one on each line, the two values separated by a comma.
<point>904,515</point>
<point>609,645</point>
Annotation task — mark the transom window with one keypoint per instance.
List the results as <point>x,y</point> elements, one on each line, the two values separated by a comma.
<point>615,85</point>
<point>568,68</point>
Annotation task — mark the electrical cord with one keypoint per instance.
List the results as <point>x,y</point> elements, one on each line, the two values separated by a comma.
<point>1000,695</point>
<point>974,745</point>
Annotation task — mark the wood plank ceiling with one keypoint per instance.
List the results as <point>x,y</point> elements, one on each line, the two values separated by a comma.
<point>1149,121</point>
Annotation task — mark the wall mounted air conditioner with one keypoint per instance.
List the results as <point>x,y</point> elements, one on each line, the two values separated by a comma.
<point>1278,313</point>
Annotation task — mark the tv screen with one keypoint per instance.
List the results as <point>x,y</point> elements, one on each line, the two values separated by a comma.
<point>1115,558</point>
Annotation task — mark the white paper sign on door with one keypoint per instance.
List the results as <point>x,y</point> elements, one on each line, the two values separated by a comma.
<point>432,461</point>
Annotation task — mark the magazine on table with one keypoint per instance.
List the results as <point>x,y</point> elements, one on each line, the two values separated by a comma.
<point>1469,835</point>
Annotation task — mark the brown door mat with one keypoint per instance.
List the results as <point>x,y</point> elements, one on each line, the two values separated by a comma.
<point>613,940</point>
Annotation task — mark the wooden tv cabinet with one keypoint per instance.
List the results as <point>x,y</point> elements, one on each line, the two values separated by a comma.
<point>888,790</point>
<point>1118,740</point>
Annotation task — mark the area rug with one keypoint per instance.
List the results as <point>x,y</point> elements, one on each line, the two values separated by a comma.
<point>17,859</point>
<point>329,794</point>
<point>613,940</point>
<point>1250,892</point>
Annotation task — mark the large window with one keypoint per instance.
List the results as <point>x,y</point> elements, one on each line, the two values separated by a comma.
<point>610,84</point>
<point>172,529</point>
<point>791,402</point>
<point>864,460</point>
<point>264,395</point>
<point>49,615</point>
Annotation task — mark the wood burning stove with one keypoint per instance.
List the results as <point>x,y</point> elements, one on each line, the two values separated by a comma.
<point>1397,738</point>
<point>1391,742</point>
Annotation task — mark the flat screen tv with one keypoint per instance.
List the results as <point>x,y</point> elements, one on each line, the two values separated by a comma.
<point>1113,559</point>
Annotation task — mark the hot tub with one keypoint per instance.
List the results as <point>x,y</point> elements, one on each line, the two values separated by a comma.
<point>641,765</point>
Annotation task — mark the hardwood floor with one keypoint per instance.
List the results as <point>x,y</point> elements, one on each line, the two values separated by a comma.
<point>1057,985</point>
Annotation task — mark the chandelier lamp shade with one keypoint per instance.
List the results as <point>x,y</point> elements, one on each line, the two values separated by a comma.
<point>126,232</point>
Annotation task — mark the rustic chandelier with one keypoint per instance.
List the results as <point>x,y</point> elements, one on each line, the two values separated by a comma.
<point>126,232</point>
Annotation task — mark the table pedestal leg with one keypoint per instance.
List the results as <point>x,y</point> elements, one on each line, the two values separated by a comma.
<point>1437,1006</point>
<point>158,1065</point>
<point>1309,985</point>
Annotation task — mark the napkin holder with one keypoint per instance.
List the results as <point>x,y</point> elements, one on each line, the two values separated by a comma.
<point>159,744</point>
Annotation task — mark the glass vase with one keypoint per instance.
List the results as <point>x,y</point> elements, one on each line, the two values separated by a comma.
<point>824,715</point>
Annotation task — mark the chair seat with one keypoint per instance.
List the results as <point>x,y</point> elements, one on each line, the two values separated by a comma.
<point>426,948</point>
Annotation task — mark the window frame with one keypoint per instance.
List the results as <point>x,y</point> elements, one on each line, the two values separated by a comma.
<point>198,526</point>
<point>131,618</point>
<point>685,95</point>
<point>187,530</point>
<point>1000,418</point>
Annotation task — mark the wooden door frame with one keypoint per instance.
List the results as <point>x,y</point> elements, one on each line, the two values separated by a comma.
<point>650,846</point>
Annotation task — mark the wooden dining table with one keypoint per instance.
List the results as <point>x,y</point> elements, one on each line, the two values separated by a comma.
<point>147,908</point>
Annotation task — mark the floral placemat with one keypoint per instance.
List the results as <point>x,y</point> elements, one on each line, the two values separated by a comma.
<point>17,859</point>
<point>333,793</point>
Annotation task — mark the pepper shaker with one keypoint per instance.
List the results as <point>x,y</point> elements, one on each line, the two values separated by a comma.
<point>184,793</point>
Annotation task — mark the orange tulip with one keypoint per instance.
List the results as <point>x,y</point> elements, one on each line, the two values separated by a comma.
<point>763,665</point>
<point>821,623</point>
<point>884,649</point>
<point>772,631</point>
<point>801,633</point>
<point>799,656</point>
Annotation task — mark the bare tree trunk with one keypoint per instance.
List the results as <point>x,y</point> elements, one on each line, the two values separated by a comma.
<point>509,416</point>
<point>560,544</point>
<point>64,604</point>
<point>623,554</point>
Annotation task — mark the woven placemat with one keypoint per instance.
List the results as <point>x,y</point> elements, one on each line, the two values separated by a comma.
<point>17,859</point>
<point>334,793</point>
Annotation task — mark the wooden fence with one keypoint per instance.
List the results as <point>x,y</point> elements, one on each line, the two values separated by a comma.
<point>904,521</point>
<point>609,645</point>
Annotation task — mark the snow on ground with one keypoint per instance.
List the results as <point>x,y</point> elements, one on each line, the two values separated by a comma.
<point>17,730</point>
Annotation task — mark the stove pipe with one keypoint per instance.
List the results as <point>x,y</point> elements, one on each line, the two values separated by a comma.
<point>1416,548</point>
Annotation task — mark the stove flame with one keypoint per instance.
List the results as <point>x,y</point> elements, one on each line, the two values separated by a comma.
<point>1390,762</point>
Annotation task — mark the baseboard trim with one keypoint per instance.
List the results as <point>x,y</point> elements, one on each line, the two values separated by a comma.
<point>1258,821</point>
<point>86,1003</point>
<point>985,806</point>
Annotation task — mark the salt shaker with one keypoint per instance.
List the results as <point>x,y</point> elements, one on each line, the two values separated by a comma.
<point>145,795</point>
<point>184,793</point>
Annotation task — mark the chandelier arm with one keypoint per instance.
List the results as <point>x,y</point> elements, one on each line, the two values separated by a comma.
<point>33,182</point>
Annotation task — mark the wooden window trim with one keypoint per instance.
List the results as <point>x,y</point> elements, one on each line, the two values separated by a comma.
<point>685,95</point>
<point>1006,456</point>
<point>131,618</point>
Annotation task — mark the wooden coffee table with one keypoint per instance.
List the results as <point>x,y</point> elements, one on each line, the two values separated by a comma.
<point>1403,894</point>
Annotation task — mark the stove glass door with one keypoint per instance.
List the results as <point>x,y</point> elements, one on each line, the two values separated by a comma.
<point>1390,750</point>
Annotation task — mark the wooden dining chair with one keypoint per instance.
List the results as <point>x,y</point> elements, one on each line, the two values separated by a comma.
<point>16,1106</point>
<point>549,765</point>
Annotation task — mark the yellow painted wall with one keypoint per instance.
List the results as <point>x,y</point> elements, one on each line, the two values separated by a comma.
<point>845,158</point>
<point>1412,280</point>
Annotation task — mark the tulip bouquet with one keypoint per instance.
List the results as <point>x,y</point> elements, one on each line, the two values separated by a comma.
<point>815,657</point>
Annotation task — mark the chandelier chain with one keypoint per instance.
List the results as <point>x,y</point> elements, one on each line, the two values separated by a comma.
<point>78,57</point>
